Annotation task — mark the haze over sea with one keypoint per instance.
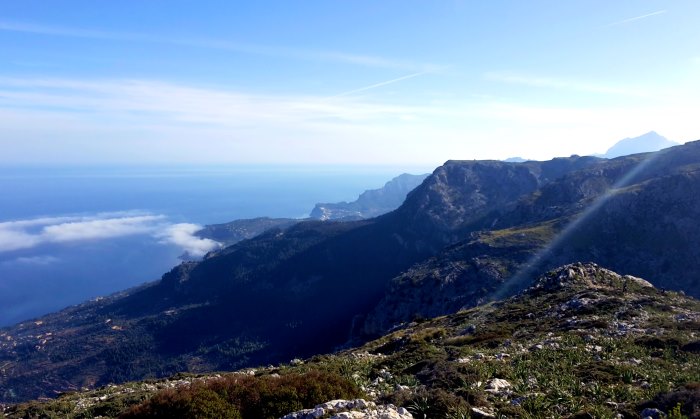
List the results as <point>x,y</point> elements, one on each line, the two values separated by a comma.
<point>71,234</point>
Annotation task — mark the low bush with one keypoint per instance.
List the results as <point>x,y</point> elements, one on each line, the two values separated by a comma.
<point>241,396</point>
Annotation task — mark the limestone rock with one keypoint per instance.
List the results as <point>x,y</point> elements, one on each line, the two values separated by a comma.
<point>351,409</point>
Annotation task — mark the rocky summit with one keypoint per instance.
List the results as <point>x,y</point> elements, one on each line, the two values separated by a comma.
<point>582,341</point>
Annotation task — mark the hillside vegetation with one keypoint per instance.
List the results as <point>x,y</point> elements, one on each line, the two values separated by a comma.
<point>582,342</point>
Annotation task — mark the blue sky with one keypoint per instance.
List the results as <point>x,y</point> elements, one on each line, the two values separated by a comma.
<point>341,82</point>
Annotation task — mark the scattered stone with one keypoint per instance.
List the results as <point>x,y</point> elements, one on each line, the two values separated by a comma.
<point>639,281</point>
<point>469,330</point>
<point>366,355</point>
<point>351,409</point>
<point>497,386</point>
<point>481,414</point>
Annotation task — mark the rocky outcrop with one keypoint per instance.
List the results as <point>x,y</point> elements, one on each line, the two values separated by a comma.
<point>464,196</point>
<point>351,409</point>
<point>585,275</point>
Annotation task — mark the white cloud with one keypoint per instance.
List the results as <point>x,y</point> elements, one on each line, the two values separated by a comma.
<point>24,234</point>
<point>34,260</point>
<point>100,229</point>
<point>15,239</point>
<point>149,121</point>
<point>183,236</point>
<point>30,233</point>
<point>148,101</point>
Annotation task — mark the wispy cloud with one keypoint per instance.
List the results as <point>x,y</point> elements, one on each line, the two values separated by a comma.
<point>380,84</point>
<point>23,234</point>
<point>108,120</point>
<point>33,260</point>
<point>30,233</point>
<point>565,84</point>
<point>223,45</point>
<point>100,228</point>
<point>153,100</point>
<point>633,19</point>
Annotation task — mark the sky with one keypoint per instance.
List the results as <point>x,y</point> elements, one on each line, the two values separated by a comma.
<point>360,82</point>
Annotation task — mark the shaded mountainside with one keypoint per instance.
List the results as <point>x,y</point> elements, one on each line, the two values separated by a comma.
<point>269,298</point>
<point>371,203</point>
<point>583,341</point>
<point>635,214</point>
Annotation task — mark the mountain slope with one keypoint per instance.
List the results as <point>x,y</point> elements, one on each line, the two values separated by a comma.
<point>268,299</point>
<point>264,299</point>
<point>582,342</point>
<point>634,214</point>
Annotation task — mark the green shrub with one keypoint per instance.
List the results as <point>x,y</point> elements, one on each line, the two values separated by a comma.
<point>196,401</point>
<point>242,396</point>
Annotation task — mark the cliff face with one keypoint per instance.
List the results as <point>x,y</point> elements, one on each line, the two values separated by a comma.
<point>268,299</point>
<point>370,203</point>
<point>464,196</point>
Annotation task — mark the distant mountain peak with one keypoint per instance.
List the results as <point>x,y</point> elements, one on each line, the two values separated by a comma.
<point>651,141</point>
<point>371,203</point>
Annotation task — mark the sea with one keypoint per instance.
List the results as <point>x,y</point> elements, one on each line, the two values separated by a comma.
<point>70,234</point>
